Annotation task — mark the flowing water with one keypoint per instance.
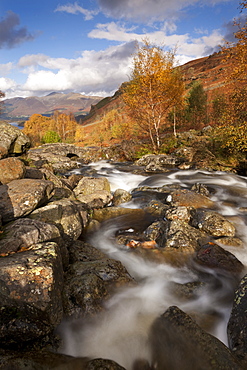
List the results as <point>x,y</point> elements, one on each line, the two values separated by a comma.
<point>121,332</point>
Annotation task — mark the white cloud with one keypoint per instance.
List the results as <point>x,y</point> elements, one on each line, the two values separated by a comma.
<point>76,9</point>
<point>92,72</point>
<point>6,68</point>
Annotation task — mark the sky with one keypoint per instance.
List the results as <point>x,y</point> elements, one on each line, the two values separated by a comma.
<point>87,46</point>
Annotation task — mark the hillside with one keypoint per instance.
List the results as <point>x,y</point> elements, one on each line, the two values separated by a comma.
<point>22,108</point>
<point>209,70</point>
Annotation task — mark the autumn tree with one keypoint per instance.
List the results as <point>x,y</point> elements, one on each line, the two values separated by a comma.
<point>155,87</point>
<point>196,109</point>
<point>65,126</point>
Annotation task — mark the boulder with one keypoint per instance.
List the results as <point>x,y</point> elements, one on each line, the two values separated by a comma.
<point>95,192</point>
<point>188,198</point>
<point>213,223</point>
<point>24,232</point>
<point>12,140</point>
<point>237,325</point>
<point>90,280</point>
<point>20,197</point>
<point>31,283</point>
<point>11,169</point>
<point>213,256</point>
<point>68,215</point>
<point>159,163</point>
<point>121,196</point>
<point>177,342</point>
<point>181,213</point>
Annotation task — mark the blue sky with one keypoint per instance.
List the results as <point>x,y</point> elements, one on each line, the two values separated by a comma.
<point>86,46</point>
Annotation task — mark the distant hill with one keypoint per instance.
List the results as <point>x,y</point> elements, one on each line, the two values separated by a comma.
<point>209,70</point>
<point>22,108</point>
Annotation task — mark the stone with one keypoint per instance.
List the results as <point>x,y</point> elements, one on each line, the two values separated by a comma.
<point>188,198</point>
<point>213,223</point>
<point>12,140</point>
<point>31,283</point>
<point>237,326</point>
<point>95,192</point>
<point>20,197</point>
<point>121,196</point>
<point>159,163</point>
<point>11,169</point>
<point>181,213</point>
<point>177,342</point>
<point>24,232</point>
<point>69,216</point>
<point>213,256</point>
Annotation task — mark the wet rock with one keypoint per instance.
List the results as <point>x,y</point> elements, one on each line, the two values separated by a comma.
<point>159,163</point>
<point>229,241</point>
<point>213,223</point>
<point>105,214</point>
<point>41,360</point>
<point>11,169</point>
<point>100,364</point>
<point>157,232</point>
<point>121,196</point>
<point>30,294</point>
<point>178,213</point>
<point>89,282</point>
<point>188,198</point>
<point>183,237</point>
<point>156,209</point>
<point>84,252</point>
<point>69,216</point>
<point>12,140</point>
<point>213,256</point>
<point>237,326</point>
<point>177,342</point>
<point>20,197</point>
<point>24,232</point>
<point>201,189</point>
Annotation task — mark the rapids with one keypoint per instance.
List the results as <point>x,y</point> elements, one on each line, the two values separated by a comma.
<point>121,332</point>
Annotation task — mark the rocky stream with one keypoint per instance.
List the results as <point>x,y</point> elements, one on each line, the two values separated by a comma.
<point>119,265</point>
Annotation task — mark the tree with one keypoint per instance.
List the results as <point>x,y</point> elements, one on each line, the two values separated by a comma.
<point>155,87</point>
<point>197,105</point>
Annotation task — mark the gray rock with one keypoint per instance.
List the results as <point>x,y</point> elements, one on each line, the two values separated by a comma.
<point>69,216</point>
<point>159,163</point>
<point>24,232</point>
<point>95,192</point>
<point>21,197</point>
<point>121,196</point>
<point>12,140</point>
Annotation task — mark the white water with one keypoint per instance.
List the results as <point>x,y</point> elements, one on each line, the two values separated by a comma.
<point>121,332</point>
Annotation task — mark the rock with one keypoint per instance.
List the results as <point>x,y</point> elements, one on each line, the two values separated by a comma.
<point>159,163</point>
<point>188,198</point>
<point>11,169</point>
<point>157,232</point>
<point>20,197</point>
<point>31,283</point>
<point>24,232</point>
<point>229,241</point>
<point>90,280</point>
<point>105,214</point>
<point>34,173</point>
<point>213,256</point>
<point>12,140</point>
<point>182,237</point>
<point>177,342</point>
<point>69,216</point>
<point>61,188</point>
<point>121,196</point>
<point>237,325</point>
<point>213,223</point>
<point>156,209</point>
<point>73,180</point>
<point>95,192</point>
<point>102,364</point>
<point>178,213</point>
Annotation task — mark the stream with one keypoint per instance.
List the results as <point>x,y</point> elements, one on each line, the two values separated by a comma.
<point>121,332</point>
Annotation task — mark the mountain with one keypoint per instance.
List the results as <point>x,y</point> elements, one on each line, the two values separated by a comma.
<point>210,71</point>
<point>22,108</point>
